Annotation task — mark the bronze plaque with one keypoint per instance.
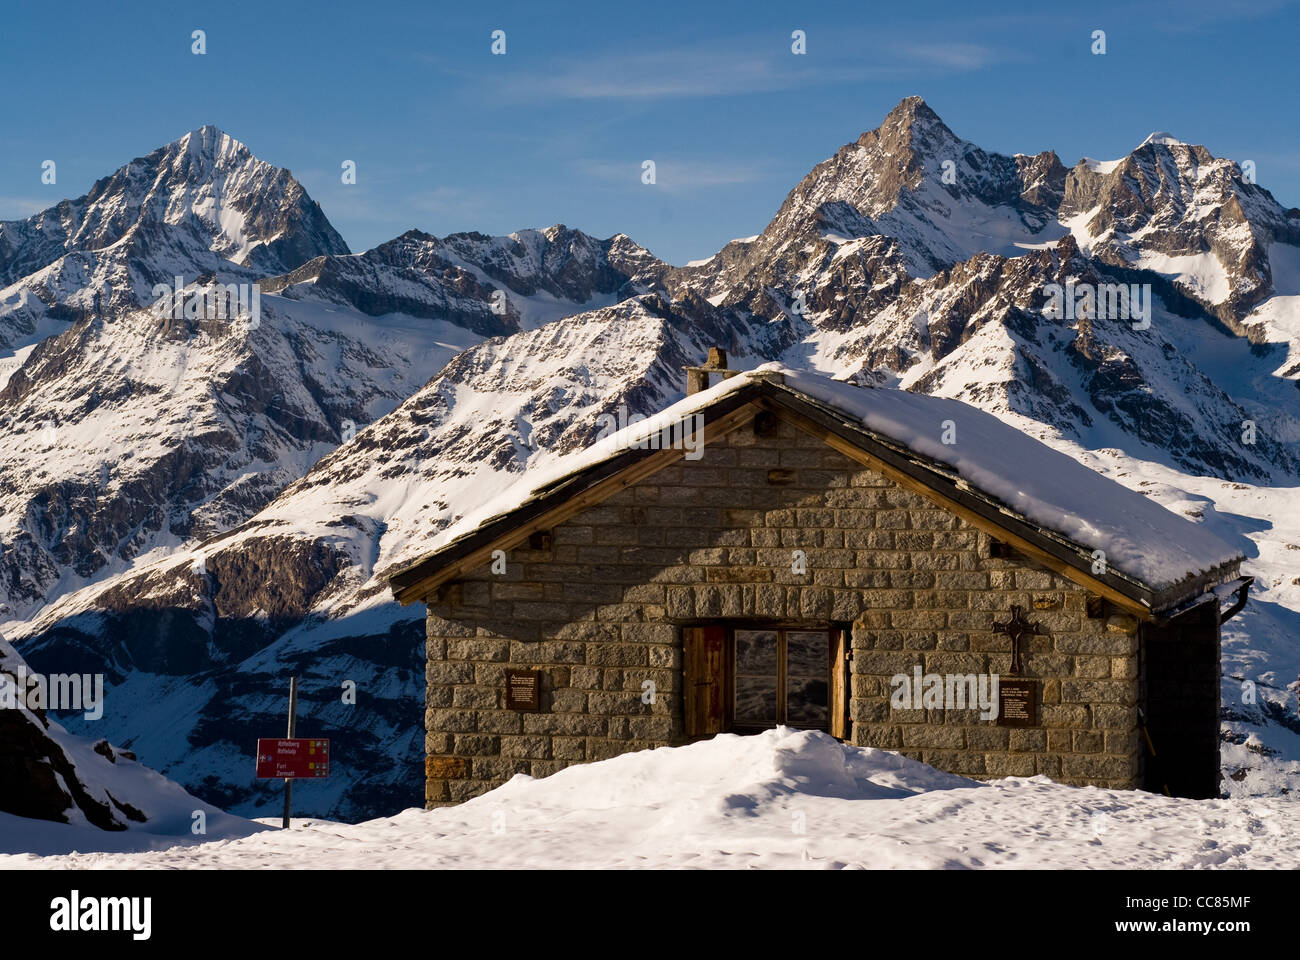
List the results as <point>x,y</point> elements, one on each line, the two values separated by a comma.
<point>1017,703</point>
<point>523,690</point>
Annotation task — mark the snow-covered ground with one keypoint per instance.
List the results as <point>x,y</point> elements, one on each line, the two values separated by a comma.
<point>782,799</point>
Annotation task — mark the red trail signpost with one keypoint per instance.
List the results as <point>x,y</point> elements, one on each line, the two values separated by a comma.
<point>291,758</point>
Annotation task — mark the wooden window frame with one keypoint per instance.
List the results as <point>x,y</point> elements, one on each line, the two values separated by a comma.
<point>782,677</point>
<point>837,673</point>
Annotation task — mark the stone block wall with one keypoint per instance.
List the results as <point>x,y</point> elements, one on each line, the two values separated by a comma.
<point>599,615</point>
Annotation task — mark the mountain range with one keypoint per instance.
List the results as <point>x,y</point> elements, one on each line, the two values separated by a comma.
<point>200,508</point>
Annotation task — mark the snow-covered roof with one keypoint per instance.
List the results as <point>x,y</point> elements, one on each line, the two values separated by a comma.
<point>1024,478</point>
<point>1139,537</point>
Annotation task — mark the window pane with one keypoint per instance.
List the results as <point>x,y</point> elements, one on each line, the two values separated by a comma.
<point>756,653</point>
<point>756,677</point>
<point>806,702</point>
<point>807,654</point>
<point>807,690</point>
<point>755,700</point>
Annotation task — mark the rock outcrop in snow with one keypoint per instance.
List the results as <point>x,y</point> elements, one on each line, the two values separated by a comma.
<point>48,774</point>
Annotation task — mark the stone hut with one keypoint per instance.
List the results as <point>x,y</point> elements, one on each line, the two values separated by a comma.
<point>901,571</point>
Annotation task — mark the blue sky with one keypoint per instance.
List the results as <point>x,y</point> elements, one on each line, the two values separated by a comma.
<point>448,137</point>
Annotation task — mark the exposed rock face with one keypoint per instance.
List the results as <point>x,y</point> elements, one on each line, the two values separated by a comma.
<point>38,779</point>
<point>1169,201</point>
<point>455,278</point>
<point>126,434</point>
<point>217,504</point>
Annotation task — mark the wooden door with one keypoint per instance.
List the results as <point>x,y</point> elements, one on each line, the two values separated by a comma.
<point>704,659</point>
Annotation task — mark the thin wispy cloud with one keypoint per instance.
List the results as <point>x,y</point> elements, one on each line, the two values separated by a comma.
<point>20,208</point>
<point>674,175</point>
<point>954,56</point>
<point>668,73</point>
<point>1200,16</point>
<point>693,72</point>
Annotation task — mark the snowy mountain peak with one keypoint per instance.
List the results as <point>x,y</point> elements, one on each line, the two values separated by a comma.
<point>1166,139</point>
<point>914,125</point>
<point>941,198</point>
<point>1197,222</point>
<point>912,111</point>
<point>208,153</point>
<point>211,141</point>
<point>201,205</point>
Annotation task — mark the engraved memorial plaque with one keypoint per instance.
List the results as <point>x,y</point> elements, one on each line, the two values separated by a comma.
<point>523,690</point>
<point>1018,703</point>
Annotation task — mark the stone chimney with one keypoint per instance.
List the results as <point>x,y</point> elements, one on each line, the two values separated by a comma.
<point>697,378</point>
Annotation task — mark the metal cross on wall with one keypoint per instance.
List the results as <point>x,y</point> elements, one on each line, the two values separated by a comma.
<point>1017,628</point>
